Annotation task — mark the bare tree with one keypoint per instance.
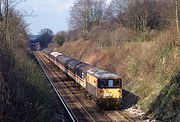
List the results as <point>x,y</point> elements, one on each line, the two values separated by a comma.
<point>171,12</point>
<point>17,29</point>
<point>177,15</point>
<point>80,15</point>
<point>5,16</point>
<point>87,13</point>
<point>117,8</point>
<point>144,14</point>
<point>98,12</point>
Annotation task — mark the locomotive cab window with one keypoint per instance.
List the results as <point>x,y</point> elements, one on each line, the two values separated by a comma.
<point>118,83</point>
<point>103,83</point>
<point>109,84</point>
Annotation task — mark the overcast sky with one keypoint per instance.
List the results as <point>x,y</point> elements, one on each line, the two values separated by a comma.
<point>52,14</point>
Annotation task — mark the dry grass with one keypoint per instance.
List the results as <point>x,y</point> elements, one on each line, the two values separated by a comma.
<point>146,67</point>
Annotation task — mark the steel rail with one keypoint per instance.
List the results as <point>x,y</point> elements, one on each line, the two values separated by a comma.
<point>71,114</point>
<point>127,117</point>
<point>75,98</point>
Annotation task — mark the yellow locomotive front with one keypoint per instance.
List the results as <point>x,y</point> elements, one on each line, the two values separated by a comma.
<point>106,87</point>
<point>110,92</point>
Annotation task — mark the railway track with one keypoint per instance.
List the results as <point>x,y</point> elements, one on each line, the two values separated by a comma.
<point>77,105</point>
<point>121,116</point>
<point>79,108</point>
<point>72,116</point>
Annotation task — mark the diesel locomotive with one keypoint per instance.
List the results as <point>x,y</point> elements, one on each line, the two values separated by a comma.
<point>105,88</point>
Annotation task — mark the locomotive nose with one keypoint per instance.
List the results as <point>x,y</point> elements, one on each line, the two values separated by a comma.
<point>108,95</point>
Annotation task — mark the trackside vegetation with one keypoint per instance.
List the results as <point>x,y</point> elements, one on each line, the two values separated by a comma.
<point>28,94</point>
<point>25,92</point>
<point>137,39</point>
<point>26,97</point>
<point>146,67</point>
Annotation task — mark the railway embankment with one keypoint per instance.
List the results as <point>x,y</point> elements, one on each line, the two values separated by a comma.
<point>166,106</point>
<point>148,67</point>
<point>25,93</point>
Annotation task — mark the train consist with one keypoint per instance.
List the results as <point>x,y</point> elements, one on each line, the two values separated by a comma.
<point>104,87</point>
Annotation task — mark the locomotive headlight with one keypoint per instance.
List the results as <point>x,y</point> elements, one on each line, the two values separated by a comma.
<point>108,94</point>
<point>120,91</point>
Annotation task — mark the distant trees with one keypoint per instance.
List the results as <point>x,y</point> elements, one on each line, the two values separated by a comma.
<point>140,15</point>
<point>87,13</point>
<point>45,37</point>
<point>80,15</point>
<point>12,24</point>
<point>143,15</point>
<point>98,12</point>
<point>116,9</point>
<point>60,38</point>
<point>17,29</point>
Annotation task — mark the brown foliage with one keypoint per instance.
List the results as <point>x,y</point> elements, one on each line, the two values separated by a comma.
<point>144,66</point>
